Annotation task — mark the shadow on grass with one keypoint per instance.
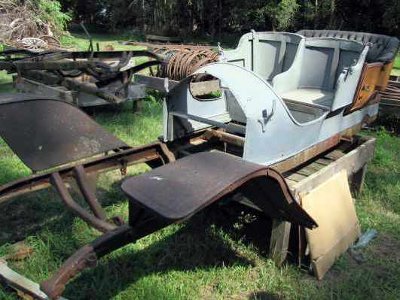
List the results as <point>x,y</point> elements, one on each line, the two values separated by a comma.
<point>200,244</point>
<point>6,88</point>
<point>264,296</point>
<point>203,243</point>
<point>26,215</point>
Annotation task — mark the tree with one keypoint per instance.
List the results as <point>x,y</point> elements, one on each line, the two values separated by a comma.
<point>214,17</point>
<point>281,14</point>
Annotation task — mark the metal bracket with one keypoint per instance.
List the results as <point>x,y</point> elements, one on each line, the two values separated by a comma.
<point>266,117</point>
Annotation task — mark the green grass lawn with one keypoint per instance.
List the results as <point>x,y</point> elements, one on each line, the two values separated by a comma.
<point>202,258</point>
<point>397,62</point>
<point>5,83</point>
<point>79,41</point>
<point>396,66</point>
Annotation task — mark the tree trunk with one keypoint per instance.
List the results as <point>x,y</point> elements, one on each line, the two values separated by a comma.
<point>332,14</point>
<point>219,19</point>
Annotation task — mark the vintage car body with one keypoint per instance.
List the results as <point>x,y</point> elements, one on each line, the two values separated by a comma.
<point>278,96</point>
<point>271,53</point>
<point>383,50</point>
<point>281,92</point>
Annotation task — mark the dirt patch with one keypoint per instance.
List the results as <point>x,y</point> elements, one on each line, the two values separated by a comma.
<point>385,247</point>
<point>377,254</point>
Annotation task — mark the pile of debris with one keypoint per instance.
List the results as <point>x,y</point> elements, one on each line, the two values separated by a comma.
<point>21,27</point>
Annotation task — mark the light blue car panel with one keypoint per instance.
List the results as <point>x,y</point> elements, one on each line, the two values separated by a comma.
<point>275,128</point>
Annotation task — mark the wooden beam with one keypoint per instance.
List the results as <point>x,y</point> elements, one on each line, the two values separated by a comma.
<point>352,162</point>
<point>306,155</point>
<point>279,242</point>
<point>25,288</point>
<point>30,86</point>
<point>204,87</point>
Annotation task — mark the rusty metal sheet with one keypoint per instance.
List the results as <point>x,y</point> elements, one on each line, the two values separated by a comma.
<point>46,133</point>
<point>180,189</point>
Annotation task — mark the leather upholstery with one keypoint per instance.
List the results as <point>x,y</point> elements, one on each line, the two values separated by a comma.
<point>383,48</point>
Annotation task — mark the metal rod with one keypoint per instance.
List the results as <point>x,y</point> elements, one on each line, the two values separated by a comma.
<point>229,126</point>
<point>225,137</point>
<point>62,190</point>
<point>88,193</point>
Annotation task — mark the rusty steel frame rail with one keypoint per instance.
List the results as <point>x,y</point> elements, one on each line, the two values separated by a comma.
<point>155,152</point>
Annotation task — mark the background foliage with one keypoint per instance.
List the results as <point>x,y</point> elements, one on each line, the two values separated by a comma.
<point>49,11</point>
<point>216,17</point>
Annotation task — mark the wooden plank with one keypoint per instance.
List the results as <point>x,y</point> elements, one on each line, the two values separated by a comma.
<point>315,166</point>
<point>306,155</point>
<point>324,161</point>
<point>307,170</point>
<point>395,82</point>
<point>390,102</point>
<point>295,177</point>
<point>161,38</point>
<point>26,288</point>
<point>42,76</point>
<point>318,166</point>
<point>357,180</point>
<point>156,83</point>
<point>290,182</point>
<point>351,162</point>
<point>279,242</point>
<point>312,175</point>
<point>204,87</point>
<point>335,154</point>
<point>34,87</point>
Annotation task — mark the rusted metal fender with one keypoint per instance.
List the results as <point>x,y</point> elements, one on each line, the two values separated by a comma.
<point>45,133</point>
<point>178,190</point>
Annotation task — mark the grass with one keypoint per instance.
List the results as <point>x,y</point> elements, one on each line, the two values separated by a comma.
<point>397,62</point>
<point>204,258</point>
<point>396,66</point>
<point>5,83</point>
<point>79,41</point>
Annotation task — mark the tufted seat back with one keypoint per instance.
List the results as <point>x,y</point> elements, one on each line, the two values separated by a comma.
<point>383,48</point>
